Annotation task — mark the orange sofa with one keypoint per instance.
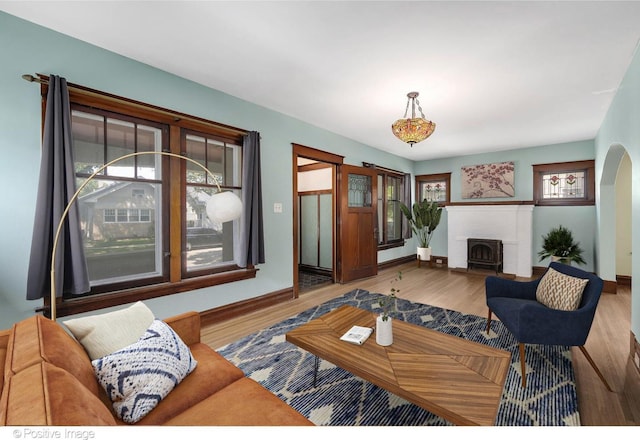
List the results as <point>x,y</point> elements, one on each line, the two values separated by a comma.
<point>48,379</point>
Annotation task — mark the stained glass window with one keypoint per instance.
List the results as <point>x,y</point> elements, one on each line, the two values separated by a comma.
<point>434,191</point>
<point>564,183</point>
<point>359,191</point>
<point>434,187</point>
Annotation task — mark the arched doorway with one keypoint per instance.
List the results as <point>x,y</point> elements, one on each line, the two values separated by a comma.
<point>608,212</point>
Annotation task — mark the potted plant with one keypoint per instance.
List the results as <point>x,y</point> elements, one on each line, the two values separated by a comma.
<point>560,246</point>
<point>424,218</point>
<point>384,329</point>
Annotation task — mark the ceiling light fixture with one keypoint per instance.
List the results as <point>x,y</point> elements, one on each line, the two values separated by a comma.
<point>413,130</point>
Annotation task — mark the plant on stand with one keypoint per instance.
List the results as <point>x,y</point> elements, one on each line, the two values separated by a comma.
<point>388,304</point>
<point>424,218</point>
<point>560,246</point>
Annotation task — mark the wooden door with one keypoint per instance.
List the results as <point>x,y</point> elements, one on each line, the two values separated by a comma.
<point>358,223</point>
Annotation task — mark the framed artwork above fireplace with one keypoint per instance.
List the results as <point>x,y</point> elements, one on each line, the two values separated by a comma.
<point>488,180</point>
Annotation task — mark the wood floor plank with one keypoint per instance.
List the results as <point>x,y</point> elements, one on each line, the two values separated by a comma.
<point>608,342</point>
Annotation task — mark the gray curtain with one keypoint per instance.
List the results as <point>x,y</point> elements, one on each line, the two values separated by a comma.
<point>252,233</point>
<point>406,193</point>
<point>55,188</point>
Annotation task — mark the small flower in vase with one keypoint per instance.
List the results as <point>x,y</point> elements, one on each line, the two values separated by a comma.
<point>388,303</point>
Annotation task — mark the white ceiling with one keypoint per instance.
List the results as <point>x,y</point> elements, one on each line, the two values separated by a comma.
<point>492,75</point>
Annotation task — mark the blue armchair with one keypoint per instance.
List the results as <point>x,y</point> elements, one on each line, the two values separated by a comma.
<point>530,322</point>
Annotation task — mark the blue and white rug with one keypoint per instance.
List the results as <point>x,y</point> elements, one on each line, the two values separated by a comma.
<point>342,399</point>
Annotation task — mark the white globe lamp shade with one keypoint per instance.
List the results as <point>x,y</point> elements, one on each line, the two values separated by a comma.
<point>223,207</point>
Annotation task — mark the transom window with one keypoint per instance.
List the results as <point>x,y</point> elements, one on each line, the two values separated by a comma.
<point>563,185</point>
<point>434,187</point>
<point>567,183</point>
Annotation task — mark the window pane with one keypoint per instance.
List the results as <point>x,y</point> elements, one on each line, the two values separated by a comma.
<point>148,139</point>
<point>394,219</point>
<point>309,228</point>
<point>109,215</point>
<point>88,141</point>
<point>121,220</point>
<point>359,190</point>
<point>434,191</point>
<point>569,185</point>
<point>196,150</point>
<point>119,247</point>
<point>207,244</point>
<point>134,215</point>
<point>216,161</point>
<point>326,231</point>
<point>214,155</point>
<point>381,205</point>
<point>121,140</point>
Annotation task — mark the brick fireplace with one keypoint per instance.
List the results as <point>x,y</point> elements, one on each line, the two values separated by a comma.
<point>511,224</point>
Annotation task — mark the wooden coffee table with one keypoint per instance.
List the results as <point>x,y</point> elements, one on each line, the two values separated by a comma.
<point>451,377</point>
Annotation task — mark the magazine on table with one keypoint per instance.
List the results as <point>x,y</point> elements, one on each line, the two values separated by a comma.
<point>357,334</point>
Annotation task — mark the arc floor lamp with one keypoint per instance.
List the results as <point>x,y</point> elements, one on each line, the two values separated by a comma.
<point>222,207</point>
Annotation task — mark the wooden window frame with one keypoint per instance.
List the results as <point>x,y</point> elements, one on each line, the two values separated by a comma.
<point>586,166</point>
<point>426,178</point>
<point>174,282</point>
<point>385,172</point>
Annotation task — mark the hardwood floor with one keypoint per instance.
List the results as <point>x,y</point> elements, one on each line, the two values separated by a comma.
<point>608,342</point>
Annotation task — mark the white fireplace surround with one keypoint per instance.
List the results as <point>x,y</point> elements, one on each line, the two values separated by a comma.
<point>510,223</point>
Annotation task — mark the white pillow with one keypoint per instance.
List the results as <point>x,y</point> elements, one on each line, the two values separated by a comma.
<point>560,291</point>
<point>109,332</point>
<point>139,376</point>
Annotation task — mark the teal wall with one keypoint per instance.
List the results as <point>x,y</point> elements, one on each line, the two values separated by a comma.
<point>580,220</point>
<point>619,132</point>
<point>27,48</point>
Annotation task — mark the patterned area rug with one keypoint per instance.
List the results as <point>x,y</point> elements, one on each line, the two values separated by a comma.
<point>341,399</point>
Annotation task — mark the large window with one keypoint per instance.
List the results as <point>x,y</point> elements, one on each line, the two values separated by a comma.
<point>208,246</point>
<point>143,219</point>
<point>119,248</point>
<point>564,184</point>
<point>391,192</point>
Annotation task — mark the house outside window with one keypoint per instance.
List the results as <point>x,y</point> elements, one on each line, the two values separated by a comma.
<point>564,184</point>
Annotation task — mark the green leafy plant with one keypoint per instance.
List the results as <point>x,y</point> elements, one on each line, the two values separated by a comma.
<point>558,242</point>
<point>388,303</point>
<point>424,218</point>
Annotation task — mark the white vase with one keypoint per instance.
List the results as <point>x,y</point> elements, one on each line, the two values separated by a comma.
<point>424,254</point>
<point>560,260</point>
<point>384,331</point>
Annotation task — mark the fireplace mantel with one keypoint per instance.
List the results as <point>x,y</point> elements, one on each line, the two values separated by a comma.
<point>511,223</point>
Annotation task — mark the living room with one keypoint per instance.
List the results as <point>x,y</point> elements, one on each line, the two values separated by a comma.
<point>35,49</point>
